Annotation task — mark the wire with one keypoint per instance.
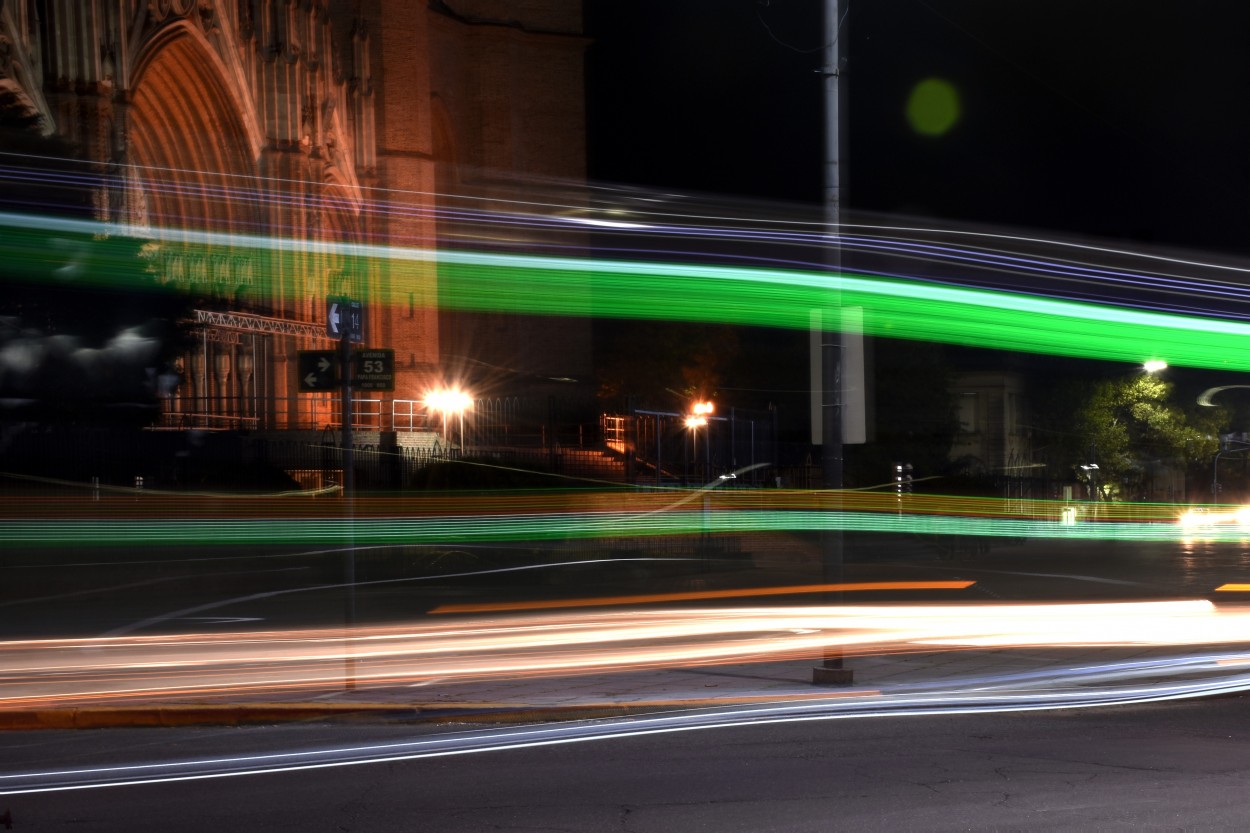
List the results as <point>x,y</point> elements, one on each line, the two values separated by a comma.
<point>791,47</point>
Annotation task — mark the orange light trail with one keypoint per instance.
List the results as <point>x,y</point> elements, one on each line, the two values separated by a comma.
<point>697,595</point>
<point>150,504</point>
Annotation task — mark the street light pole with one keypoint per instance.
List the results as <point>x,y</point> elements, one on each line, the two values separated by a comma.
<point>1215,477</point>
<point>1241,448</point>
<point>1205,400</point>
<point>831,670</point>
<point>698,418</point>
<point>349,499</point>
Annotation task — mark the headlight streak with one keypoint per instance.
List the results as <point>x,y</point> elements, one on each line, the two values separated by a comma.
<point>966,697</point>
<point>58,673</point>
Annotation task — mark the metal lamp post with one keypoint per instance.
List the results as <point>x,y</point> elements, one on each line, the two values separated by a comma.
<point>1091,470</point>
<point>697,419</point>
<point>1228,445</point>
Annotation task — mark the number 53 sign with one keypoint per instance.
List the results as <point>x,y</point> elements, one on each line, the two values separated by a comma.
<point>373,370</point>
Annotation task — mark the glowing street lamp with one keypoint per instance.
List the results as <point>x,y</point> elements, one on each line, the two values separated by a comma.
<point>1091,472</point>
<point>1155,365</point>
<point>694,421</point>
<point>449,401</point>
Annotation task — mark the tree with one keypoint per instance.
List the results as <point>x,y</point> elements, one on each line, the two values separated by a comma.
<point>1134,432</point>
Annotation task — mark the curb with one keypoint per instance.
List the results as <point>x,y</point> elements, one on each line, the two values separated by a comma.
<point>172,716</point>
<point>132,717</point>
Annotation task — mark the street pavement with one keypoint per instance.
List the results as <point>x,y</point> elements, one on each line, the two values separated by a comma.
<point>942,670</point>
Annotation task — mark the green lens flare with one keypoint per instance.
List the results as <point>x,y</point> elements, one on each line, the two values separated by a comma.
<point>933,107</point>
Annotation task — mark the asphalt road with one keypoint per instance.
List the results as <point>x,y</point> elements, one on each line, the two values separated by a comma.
<point>1169,766</point>
<point>94,592</point>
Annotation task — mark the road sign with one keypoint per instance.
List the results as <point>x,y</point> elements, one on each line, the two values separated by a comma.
<point>318,370</point>
<point>344,316</point>
<point>373,370</point>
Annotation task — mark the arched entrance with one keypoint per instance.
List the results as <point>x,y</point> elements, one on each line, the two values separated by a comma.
<point>192,168</point>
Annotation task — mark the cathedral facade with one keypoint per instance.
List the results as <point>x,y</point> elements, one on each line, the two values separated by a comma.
<point>254,147</point>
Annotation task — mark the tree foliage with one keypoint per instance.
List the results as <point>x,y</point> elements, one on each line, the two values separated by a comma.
<point>1134,432</point>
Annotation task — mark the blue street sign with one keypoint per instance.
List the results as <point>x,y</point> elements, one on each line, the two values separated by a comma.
<point>345,317</point>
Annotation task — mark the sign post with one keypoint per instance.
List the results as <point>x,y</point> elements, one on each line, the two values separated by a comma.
<point>345,320</point>
<point>320,371</point>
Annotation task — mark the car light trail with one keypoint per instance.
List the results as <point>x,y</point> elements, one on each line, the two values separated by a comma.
<point>527,284</point>
<point>563,526</point>
<point>76,672</point>
<point>693,595</point>
<point>146,519</point>
<point>1108,684</point>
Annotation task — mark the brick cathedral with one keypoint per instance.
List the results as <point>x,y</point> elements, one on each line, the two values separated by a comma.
<point>322,124</point>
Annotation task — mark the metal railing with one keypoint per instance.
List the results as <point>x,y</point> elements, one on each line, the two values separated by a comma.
<point>181,421</point>
<point>366,414</point>
<point>615,431</point>
<point>409,415</point>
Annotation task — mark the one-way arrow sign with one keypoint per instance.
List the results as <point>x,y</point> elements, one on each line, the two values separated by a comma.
<point>345,317</point>
<point>317,371</point>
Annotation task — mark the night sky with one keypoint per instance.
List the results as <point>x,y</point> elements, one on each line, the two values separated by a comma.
<point>1123,120</point>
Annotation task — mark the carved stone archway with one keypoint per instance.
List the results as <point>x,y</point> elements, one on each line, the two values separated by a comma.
<point>190,166</point>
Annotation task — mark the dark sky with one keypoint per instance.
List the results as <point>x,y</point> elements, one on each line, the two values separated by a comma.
<point>1118,118</point>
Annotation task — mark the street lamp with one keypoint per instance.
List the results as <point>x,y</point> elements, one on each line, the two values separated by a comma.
<point>697,419</point>
<point>1228,445</point>
<point>450,401</point>
<point>1155,365</point>
<point>1091,471</point>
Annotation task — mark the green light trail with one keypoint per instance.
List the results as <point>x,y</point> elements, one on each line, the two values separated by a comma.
<point>589,287</point>
<point>481,529</point>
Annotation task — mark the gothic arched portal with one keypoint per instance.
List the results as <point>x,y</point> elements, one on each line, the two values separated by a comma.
<point>191,165</point>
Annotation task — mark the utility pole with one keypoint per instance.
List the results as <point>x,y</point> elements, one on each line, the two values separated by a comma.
<point>831,670</point>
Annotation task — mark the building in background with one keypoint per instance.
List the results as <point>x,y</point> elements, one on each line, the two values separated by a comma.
<point>992,438</point>
<point>206,125</point>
